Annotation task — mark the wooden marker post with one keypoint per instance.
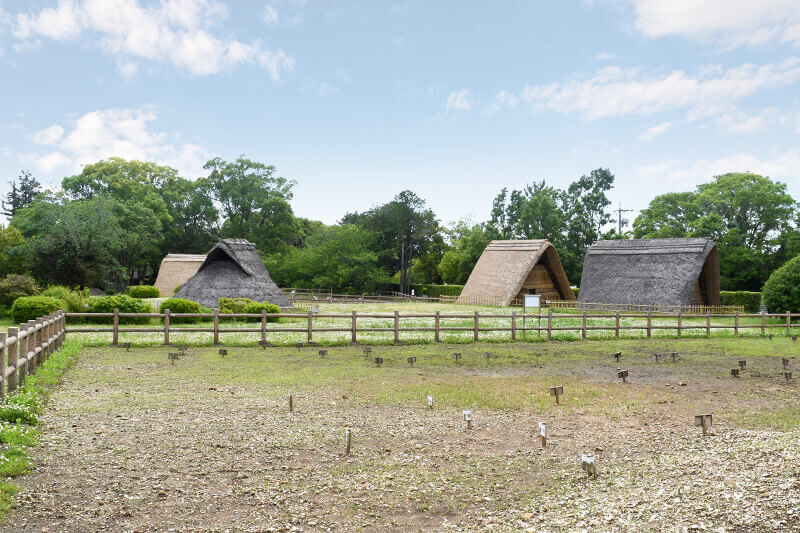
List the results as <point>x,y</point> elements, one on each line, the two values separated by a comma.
<point>348,438</point>
<point>430,402</point>
<point>785,360</point>
<point>323,353</point>
<point>657,357</point>
<point>487,355</point>
<point>127,346</point>
<point>411,360</point>
<point>223,352</point>
<point>543,433</point>
<point>291,403</point>
<point>742,363</point>
<point>457,357</point>
<point>557,392</point>
<point>705,422</point>
<point>468,418</point>
<point>617,355</point>
<point>624,375</point>
<point>787,376</point>
<point>674,356</point>
<point>378,361</point>
<point>735,372</point>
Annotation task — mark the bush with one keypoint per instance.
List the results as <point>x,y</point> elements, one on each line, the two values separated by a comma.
<point>16,286</point>
<point>175,289</point>
<point>781,292</point>
<point>125,304</point>
<point>179,305</point>
<point>750,300</point>
<point>143,291</point>
<point>575,291</point>
<point>73,300</point>
<point>435,291</point>
<point>31,307</point>
<point>247,306</point>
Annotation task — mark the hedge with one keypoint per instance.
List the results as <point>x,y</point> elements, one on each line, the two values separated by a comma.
<point>247,306</point>
<point>143,291</point>
<point>125,304</point>
<point>781,292</point>
<point>751,301</point>
<point>73,300</point>
<point>16,286</point>
<point>180,305</point>
<point>32,307</point>
<point>435,291</point>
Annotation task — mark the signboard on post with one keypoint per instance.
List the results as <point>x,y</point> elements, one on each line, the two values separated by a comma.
<point>532,301</point>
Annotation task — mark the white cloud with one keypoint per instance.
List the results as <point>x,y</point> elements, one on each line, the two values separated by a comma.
<point>48,136</point>
<point>615,91</point>
<point>655,131</point>
<point>740,122</point>
<point>270,16</point>
<point>114,133</point>
<point>176,32</point>
<point>784,167</point>
<point>604,56</point>
<point>459,101</point>
<point>731,22</point>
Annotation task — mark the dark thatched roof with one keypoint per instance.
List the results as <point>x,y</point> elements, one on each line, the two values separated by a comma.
<point>504,267</point>
<point>232,269</point>
<point>651,271</point>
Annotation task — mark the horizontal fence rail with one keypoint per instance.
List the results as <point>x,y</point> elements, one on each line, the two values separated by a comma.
<point>314,295</point>
<point>436,323</point>
<point>644,308</point>
<point>24,348</point>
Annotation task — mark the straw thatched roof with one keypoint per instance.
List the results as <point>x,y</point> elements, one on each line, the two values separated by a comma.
<point>652,272</point>
<point>175,270</point>
<point>509,269</point>
<point>233,269</point>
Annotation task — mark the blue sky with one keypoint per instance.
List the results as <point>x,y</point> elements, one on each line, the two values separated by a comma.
<point>358,100</point>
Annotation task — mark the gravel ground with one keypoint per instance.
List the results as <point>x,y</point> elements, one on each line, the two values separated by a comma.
<point>132,443</point>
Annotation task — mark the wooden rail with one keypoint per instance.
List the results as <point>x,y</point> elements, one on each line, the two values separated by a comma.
<point>24,348</point>
<point>313,295</point>
<point>436,323</point>
<point>644,308</point>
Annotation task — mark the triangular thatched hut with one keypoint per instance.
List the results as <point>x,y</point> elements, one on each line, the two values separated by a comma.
<point>175,270</point>
<point>508,270</point>
<point>232,269</point>
<point>674,272</point>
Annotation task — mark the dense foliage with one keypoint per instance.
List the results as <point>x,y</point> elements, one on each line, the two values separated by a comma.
<point>143,291</point>
<point>32,307</point>
<point>125,304</point>
<point>751,301</point>
<point>180,305</point>
<point>16,286</point>
<point>73,300</point>
<point>782,290</point>
<point>248,307</point>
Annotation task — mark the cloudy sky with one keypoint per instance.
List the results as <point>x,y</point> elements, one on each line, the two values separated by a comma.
<point>358,100</point>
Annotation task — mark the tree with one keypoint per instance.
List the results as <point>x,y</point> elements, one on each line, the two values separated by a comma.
<point>255,203</point>
<point>12,258</point>
<point>405,229</point>
<point>781,292</point>
<point>467,245</point>
<point>751,217</point>
<point>21,195</point>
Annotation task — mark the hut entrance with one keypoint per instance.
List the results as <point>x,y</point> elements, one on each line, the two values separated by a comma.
<point>540,281</point>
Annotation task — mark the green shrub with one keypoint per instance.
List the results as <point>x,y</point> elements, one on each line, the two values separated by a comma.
<point>16,286</point>
<point>435,291</point>
<point>247,306</point>
<point>179,305</point>
<point>125,304</point>
<point>750,300</point>
<point>143,291</point>
<point>781,292</point>
<point>32,307</point>
<point>575,291</point>
<point>74,300</point>
<point>175,289</point>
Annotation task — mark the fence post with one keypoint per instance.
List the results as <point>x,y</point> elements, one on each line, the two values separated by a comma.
<point>616,320</point>
<point>216,326</point>
<point>736,323</point>
<point>3,359</point>
<point>115,341</point>
<point>23,354</point>
<point>436,326</point>
<point>11,351</point>
<point>788,323</point>
<point>310,326</point>
<point>680,321</point>
<point>513,325</point>
<point>649,324</point>
<point>51,333</point>
<point>549,324</point>
<point>763,321</point>
<point>397,327</point>
<point>31,357</point>
<point>708,323</point>
<point>353,329</point>
<point>263,327</point>
<point>63,326</point>
<point>166,327</point>
<point>583,326</point>
<point>39,342</point>
<point>475,335</point>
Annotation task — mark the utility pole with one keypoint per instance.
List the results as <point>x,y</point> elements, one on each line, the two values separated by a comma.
<point>620,220</point>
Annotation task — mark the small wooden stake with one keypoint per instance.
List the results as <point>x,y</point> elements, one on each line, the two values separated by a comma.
<point>348,437</point>
<point>379,361</point>
<point>487,355</point>
<point>468,418</point>
<point>291,403</point>
<point>323,353</point>
<point>411,360</point>
<point>617,355</point>
<point>223,352</point>
<point>657,357</point>
<point>674,356</point>
<point>785,362</point>
<point>543,433</point>
<point>623,374</point>
<point>742,363</point>
<point>457,357</point>
<point>557,392</point>
<point>735,372</point>
<point>787,376</point>
<point>705,422</point>
<point>430,402</point>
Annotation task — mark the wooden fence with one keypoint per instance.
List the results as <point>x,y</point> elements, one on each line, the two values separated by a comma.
<point>353,329</point>
<point>24,348</point>
<point>314,295</point>
<point>645,308</point>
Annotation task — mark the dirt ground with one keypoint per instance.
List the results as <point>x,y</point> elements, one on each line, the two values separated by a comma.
<point>131,442</point>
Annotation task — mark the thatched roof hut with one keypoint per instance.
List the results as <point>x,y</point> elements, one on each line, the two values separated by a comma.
<point>175,270</point>
<point>508,270</point>
<point>233,269</point>
<point>651,272</point>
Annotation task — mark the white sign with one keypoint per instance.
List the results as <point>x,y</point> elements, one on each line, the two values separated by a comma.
<point>533,300</point>
<point>542,429</point>
<point>430,401</point>
<point>467,415</point>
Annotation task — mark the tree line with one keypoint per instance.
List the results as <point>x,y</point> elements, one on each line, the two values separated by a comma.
<point>110,226</point>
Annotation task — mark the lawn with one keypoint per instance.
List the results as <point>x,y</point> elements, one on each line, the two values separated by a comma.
<point>131,441</point>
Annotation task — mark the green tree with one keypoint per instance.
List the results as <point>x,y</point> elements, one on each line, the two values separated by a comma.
<point>12,254</point>
<point>467,245</point>
<point>21,195</point>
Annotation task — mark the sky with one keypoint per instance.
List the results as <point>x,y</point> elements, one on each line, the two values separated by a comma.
<point>359,100</point>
